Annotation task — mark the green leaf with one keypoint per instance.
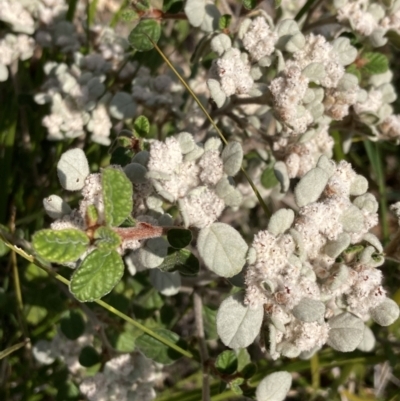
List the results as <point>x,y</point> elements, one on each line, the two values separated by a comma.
<point>235,385</point>
<point>72,324</point>
<point>117,193</point>
<point>268,178</point>
<point>180,260</point>
<point>226,362</point>
<point>60,246</point>
<point>224,21</point>
<point>352,69</point>
<point>249,370</point>
<point>157,351</point>
<point>88,356</point>
<point>139,36</point>
<point>179,238</point>
<point>92,215</point>
<point>3,248</point>
<point>129,15</point>
<point>249,4</point>
<point>97,275</point>
<point>123,341</point>
<point>142,126</point>
<point>106,239</point>
<point>243,358</point>
<point>172,6</point>
<point>377,63</point>
<point>210,326</point>
<point>143,5</point>
<point>121,156</point>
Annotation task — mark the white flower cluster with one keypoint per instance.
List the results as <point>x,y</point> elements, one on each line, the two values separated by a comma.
<point>12,48</point>
<point>124,378</point>
<point>81,100</point>
<point>127,377</point>
<point>60,347</point>
<point>24,18</point>
<point>370,18</point>
<point>319,62</point>
<point>195,176</point>
<point>315,266</point>
<point>374,107</point>
<point>311,88</point>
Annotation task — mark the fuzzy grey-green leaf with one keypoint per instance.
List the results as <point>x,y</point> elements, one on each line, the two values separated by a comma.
<point>311,186</point>
<point>367,343</point>
<point>72,169</point>
<point>166,283</point>
<point>222,249</point>
<point>195,11</point>
<point>136,173</point>
<point>237,324</point>
<point>98,274</point>
<point>232,157</point>
<point>280,221</point>
<point>347,53</point>
<point>56,207</point>
<point>346,332</point>
<point>335,248</point>
<point>385,313</point>
<point>153,253</point>
<point>309,310</point>
<point>60,246</point>
<point>274,387</point>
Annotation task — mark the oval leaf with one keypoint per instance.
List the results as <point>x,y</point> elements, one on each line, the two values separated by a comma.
<point>346,332</point>
<point>166,283</point>
<point>72,169</point>
<point>72,324</point>
<point>88,356</point>
<point>156,350</point>
<point>179,238</point>
<point>222,249</point>
<point>227,362</point>
<point>117,194</point>
<point>274,387</point>
<point>310,187</point>
<point>195,11</point>
<point>97,276</point>
<point>180,260</point>
<point>237,324</point>
<point>139,36</point>
<point>60,246</point>
<point>142,126</point>
<point>107,239</point>
<point>232,157</point>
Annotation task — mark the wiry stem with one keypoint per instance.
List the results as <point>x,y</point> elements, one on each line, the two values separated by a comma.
<point>198,314</point>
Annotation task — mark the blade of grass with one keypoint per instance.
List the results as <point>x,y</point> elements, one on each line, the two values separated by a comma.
<point>203,109</point>
<point>315,370</point>
<point>375,158</point>
<point>13,348</point>
<point>8,125</point>
<point>71,10</point>
<point>117,15</point>
<point>304,9</point>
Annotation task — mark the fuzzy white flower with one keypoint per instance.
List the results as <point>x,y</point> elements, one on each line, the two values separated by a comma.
<point>259,40</point>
